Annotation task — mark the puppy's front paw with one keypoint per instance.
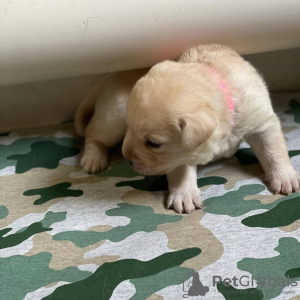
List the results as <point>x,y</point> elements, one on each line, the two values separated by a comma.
<point>185,200</point>
<point>94,159</point>
<point>285,181</point>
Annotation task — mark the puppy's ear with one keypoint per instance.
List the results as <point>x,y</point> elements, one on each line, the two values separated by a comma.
<point>196,129</point>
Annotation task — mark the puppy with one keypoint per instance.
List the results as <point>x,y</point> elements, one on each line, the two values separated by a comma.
<point>101,117</point>
<point>199,109</point>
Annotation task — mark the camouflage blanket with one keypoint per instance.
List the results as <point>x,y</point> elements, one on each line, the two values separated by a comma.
<point>66,234</point>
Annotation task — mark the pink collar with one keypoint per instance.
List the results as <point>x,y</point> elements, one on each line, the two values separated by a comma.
<point>226,92</point>
<point>224,88</point>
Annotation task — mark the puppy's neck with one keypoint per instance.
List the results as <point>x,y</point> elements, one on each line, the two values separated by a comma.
<point>223,86</point>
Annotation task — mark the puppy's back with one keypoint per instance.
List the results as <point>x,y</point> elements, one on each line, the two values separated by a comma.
<point>243,79</point>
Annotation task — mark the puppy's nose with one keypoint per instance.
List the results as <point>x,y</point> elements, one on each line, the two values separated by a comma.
<point>128,161</point>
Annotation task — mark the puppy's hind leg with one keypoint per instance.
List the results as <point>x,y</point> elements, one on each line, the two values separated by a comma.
<point>86,109</point>
<point>100,135</point>
<point>268,144</point>
<point>107,126</point>
<point>95,157</point>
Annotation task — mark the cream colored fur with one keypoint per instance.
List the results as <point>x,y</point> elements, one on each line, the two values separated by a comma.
<point>178,117</point>
<point>181,106</point>
<point>101,117</point>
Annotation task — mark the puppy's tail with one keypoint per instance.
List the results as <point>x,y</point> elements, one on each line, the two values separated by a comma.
<point>86,108</point>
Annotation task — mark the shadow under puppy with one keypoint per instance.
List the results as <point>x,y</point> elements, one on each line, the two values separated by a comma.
<point>188,113</point>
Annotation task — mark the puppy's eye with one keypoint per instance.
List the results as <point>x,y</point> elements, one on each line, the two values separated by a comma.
<point>152,144</point>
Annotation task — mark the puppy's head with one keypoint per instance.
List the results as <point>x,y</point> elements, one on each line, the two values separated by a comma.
<point>167,119</point>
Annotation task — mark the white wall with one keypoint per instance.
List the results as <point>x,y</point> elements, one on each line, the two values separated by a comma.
<point>281,69</point>
<point>55,101</point>
<point>48,39</point>
<point>42,103</point>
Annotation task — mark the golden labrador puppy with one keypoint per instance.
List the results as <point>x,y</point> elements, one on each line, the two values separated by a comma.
<point>196,110</point>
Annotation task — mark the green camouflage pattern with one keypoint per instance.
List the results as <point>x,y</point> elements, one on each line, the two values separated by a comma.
<point>65,234</point>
